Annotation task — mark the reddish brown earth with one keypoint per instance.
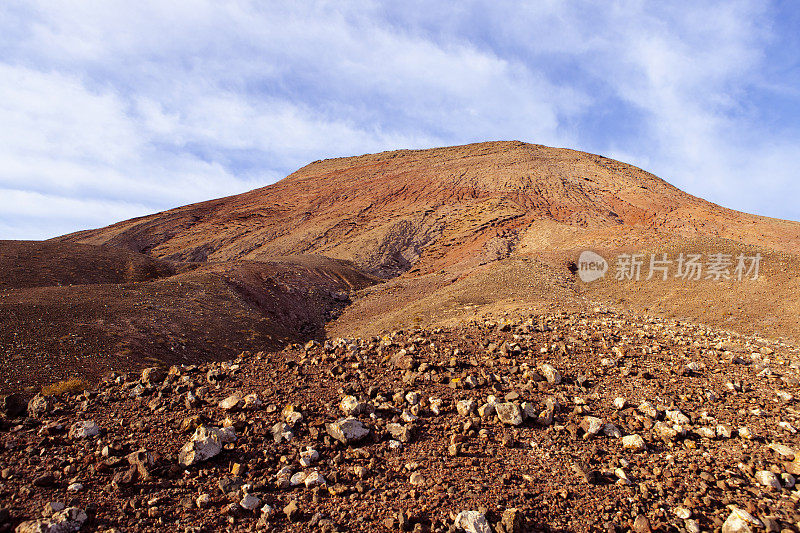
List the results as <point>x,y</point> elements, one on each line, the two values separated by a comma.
<point>715,413</point>
<point>456,232</point>
<point>78,311</point>
<point>429,243</point>
<point>491,226</point>
<point>434,209</point>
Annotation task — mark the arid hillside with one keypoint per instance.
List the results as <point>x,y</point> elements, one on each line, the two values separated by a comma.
<point>74,312</point>
<point>425,210</point>
<point>376,242</point>
<point>469,229</point>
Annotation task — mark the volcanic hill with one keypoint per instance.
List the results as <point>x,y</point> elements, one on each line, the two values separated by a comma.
<point>408,341</point>
<point>409,237</point>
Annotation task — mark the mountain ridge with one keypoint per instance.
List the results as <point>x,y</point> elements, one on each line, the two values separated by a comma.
<point>409,238</point>
<point>347,207</point>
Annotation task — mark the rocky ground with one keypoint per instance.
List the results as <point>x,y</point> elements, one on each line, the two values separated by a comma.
<point>563,422</point>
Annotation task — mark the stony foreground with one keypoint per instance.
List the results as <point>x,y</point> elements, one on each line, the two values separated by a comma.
<point>570,422</point>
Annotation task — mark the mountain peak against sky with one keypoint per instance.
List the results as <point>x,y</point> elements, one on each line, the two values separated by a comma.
<point>516,166</point>
<point>390,212</point>
<point>120,110</point>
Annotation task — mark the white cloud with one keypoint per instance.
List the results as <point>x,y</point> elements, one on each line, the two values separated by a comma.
<point>156,104</point>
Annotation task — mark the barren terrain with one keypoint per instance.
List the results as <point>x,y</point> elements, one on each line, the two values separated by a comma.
<point>403,342</point>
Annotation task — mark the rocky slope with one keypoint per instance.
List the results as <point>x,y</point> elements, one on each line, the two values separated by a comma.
<point>450,234</point>
<point>430,209</point>
<point>556,422</point>
<point>442,224</point>
<point>70,313</point>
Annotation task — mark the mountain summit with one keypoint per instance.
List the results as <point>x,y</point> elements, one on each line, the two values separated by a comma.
<point>368,244</point>
<point>429,209</point>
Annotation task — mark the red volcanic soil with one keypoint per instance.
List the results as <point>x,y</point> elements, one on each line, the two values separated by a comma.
<point>453,232</point>
<point>26,264</point>
<point>430,209</point>
<point>117,314</point>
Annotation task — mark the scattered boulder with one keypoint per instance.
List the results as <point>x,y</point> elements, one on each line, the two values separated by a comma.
<point>67,521</point>
<point>281,432</point>
<point>232,402</point>
<point>347,430</point>
<point>633,442</point>
<point>401,432</point>
<point>550,374</point>
<point>591,426</point>
<point>206,443</point>
<point>250,502</point>
<point>350,406</point>
<point>38,406</point>
<point>509,413</point>
<point>740,521</point>
<point>143,461</point>
<point>472,522</point>
<point>768,479</point>
<point>154,376</point>
<point>466,407</point>
<point>84,429</point>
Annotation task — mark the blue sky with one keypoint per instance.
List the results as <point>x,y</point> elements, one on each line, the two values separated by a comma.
<point>110,110</point>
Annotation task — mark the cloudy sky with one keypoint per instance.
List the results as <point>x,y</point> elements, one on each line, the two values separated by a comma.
<point>110,110</point>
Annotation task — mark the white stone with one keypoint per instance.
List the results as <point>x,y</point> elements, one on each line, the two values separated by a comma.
<point>252,401</point>
<point>768,479</point>
<point>250,502</point>
<point>486,410</point>
<point>203,501</point>
<point>232,402</point>
<point>408,417</point>
<point>683,512</point>
<point>350,406</point>
<point>706,432</point>
<point>465,407</point>
<point>314,479</point>
<point>509,413</point>
<point>591,426</point>
<point>308,457</point>
<point>724,431</point>
<point>84,429</point>
<point>472,522</point>
<point>633,442</point>
<point>783,450</point>
<point>739,521</point>
<point>647,409</point>
<point>68,520</point>
<point>550,374</point>
<point>436,405</point>
<point>677,417</point>
<point>413,398</point>
<point>347,430</point>
<point>205,443</point>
